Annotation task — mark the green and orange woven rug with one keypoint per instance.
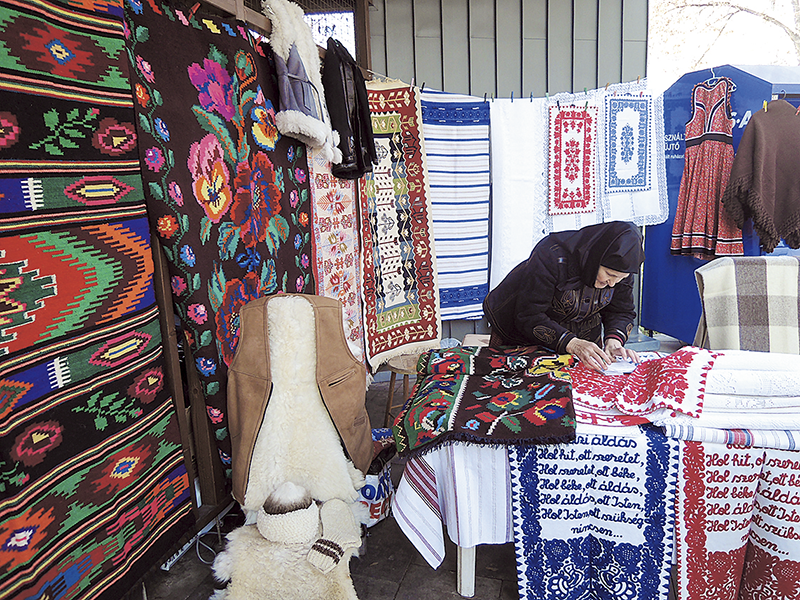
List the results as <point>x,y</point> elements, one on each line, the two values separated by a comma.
<point>401,296</point>
<point>226,192</point>
<point>93,487</point>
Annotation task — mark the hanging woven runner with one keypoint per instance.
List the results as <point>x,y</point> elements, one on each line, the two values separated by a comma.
<point>400,294</point>
<point>336,260</point>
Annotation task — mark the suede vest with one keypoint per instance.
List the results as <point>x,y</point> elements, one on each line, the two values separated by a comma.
<point>341,379</point>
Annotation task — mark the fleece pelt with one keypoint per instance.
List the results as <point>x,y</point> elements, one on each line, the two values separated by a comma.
<point>262,570</point>
<point>297,441</point>
<point>303,111</point>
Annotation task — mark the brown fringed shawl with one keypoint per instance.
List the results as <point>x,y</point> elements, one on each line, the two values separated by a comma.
<point>765,180</point>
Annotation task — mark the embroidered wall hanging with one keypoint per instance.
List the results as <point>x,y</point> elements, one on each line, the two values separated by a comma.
<point>648,205</point>
<point>456,132</point>
<point>594,518</point>
<point>226,192</point>
<point>400,294</point>
<point>573,152</point>
<point>336,260</point>
<point>93,487</point>
<point>628,161</point>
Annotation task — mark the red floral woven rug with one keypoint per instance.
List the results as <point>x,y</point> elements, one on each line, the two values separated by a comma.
<point>226,193</point>
<point>509,396</point>
<point>573,156</point>
<point>401,297</point>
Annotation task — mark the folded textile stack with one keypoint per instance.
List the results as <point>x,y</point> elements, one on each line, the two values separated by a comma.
<point>751,399</point>
<point>660,386</point>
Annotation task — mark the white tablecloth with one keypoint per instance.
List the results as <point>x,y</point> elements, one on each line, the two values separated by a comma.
<point>466,488</point>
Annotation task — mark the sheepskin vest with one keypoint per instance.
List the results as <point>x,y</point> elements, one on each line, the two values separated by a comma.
<point>341,379</point>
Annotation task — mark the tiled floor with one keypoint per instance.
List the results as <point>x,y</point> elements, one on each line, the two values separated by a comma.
<point>390,568</point>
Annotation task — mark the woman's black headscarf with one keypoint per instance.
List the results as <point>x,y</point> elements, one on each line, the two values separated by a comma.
<point>616,245</point>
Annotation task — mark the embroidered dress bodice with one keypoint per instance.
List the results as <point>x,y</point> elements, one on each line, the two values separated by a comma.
<point>711,118</point>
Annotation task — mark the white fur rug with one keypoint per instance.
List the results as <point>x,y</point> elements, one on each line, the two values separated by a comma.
<point>262,570</point>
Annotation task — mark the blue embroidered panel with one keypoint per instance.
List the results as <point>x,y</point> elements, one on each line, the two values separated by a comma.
<point>594,519</point>
<point>628,164</point>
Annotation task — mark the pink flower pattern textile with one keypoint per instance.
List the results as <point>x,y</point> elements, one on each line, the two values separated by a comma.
<point>573,159</point>
<point>674,383</point>
<point>336,246</point>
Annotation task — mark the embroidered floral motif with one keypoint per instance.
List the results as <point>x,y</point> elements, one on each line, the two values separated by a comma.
<point>231,193</point>
<point>147,385</point>
<point>114,138</point>
<point>9,129</point>
<point>628,138</point>
<point>32,445</point>
<point>572,178</point>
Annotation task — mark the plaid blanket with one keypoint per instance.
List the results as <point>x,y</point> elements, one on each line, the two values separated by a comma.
<point>750,303</point>
<point>487,396</point>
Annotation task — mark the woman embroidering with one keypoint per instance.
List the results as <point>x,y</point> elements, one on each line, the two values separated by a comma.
<point>573,295</point>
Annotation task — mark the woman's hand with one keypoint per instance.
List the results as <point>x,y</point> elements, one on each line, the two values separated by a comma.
<point>589,354</point>
<point>615,348</point>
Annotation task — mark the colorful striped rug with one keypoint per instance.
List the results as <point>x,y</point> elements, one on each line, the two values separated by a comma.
<point>93,487</point>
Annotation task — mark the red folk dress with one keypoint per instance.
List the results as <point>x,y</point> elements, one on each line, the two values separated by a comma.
<point>701,227</point>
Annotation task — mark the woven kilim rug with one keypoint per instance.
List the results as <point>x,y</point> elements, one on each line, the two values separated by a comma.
<point>401,296</point>
<point>227,194</point>
<point>456,132</point>
<point>93,487</point>
<point>336,260</point>
<point>595,518</point>
<point>486,396</point>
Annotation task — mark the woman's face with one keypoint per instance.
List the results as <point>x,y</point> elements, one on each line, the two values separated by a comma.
<point>608,277</point>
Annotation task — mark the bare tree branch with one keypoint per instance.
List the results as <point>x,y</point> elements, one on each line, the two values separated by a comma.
<point>719,34</point>
<point>793,32</point>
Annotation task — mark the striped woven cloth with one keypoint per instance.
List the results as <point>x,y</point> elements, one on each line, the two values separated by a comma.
<point>456,132</point>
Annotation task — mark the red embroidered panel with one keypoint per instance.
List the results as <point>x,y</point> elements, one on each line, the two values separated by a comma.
<point>573,159</point>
